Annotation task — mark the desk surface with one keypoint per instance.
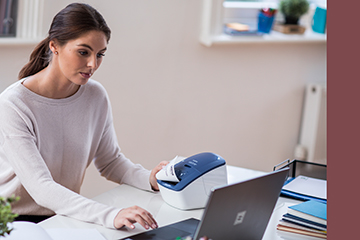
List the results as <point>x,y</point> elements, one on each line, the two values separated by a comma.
<point>125,196</point>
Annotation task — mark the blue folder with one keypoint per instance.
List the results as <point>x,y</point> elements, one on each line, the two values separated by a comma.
<point>299,196</point>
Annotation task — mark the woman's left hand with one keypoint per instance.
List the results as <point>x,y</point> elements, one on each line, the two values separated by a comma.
<point>153,180</point>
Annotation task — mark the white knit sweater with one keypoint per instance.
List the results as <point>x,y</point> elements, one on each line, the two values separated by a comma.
<point>47,144</point>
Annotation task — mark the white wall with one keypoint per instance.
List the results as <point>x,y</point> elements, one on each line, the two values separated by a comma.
<point>173,96</point>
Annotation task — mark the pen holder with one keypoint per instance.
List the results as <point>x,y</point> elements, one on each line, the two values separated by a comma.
<point>265,22</point>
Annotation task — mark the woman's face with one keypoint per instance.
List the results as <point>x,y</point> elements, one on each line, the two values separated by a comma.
<point>78,59</point>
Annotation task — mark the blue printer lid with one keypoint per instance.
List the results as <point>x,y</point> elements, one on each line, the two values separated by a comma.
<point>192,168</point>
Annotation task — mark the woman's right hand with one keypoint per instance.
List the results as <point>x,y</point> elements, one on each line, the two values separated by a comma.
<point>130,215</point>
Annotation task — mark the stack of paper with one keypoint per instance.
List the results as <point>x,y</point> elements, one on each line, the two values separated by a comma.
<point>307,218</point>
<point>306,188</point>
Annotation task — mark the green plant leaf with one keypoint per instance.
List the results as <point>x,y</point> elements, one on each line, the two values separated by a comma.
<point>294,8</point>
<point>6,214</point>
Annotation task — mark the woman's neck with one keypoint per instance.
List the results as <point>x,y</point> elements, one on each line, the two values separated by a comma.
<point>48,84</point>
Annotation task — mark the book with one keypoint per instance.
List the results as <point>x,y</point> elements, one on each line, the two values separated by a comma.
<point>307,218</point>
<point>29,230</point>
<point>311,210</point>
<point>293,228</point>
<point>239,29</point>
<point>238,26</point>
<point>303,222</point>
<point>293,225</point>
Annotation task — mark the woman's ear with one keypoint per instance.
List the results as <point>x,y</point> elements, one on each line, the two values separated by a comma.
<point>53,47</point>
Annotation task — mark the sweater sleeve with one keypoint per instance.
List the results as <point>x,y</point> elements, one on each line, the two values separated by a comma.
<point>20,151</point>
<point>113,165</point>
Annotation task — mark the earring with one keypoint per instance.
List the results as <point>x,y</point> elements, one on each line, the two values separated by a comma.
<point>56,53</point>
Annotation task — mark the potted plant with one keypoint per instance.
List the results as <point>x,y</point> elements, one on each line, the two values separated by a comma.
<point>293,10</point>
<point>6,215</point>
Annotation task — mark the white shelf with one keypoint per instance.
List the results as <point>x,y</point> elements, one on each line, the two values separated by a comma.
<point>13,41</point>
<point>273,37</point>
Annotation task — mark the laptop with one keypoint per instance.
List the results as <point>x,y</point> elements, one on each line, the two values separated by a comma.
<point>237,211</point>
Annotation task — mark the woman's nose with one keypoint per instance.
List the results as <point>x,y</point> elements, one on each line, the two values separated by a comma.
<point>92,63</point>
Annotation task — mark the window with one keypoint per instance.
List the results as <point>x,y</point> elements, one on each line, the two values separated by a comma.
<point>216,13</point>
<point>25,22</point>
<point>8,17</point>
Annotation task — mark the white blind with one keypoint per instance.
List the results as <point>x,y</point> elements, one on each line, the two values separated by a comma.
<point>320,3</point>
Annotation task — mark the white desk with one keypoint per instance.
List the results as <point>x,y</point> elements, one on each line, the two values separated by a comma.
<point>125,196</point>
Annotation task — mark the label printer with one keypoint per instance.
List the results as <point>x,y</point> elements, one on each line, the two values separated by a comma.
<point>194,176</point>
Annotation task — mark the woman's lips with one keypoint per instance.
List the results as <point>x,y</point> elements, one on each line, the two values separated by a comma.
<point>86,75</point>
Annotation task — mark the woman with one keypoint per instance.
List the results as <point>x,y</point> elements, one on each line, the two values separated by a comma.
<point>55,120</point>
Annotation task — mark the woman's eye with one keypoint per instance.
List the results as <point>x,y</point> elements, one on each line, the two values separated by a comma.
<point>100,55</point>
<point>83,53</point>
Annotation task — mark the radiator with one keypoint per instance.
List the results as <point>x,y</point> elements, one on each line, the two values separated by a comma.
<point>312,138</point>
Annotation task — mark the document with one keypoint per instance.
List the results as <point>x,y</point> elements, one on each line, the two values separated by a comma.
<point>168,172</point>
<point>308,186</point>
<point>32,231</point>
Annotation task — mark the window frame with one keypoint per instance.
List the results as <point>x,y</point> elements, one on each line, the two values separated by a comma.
<point>212,19</point>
